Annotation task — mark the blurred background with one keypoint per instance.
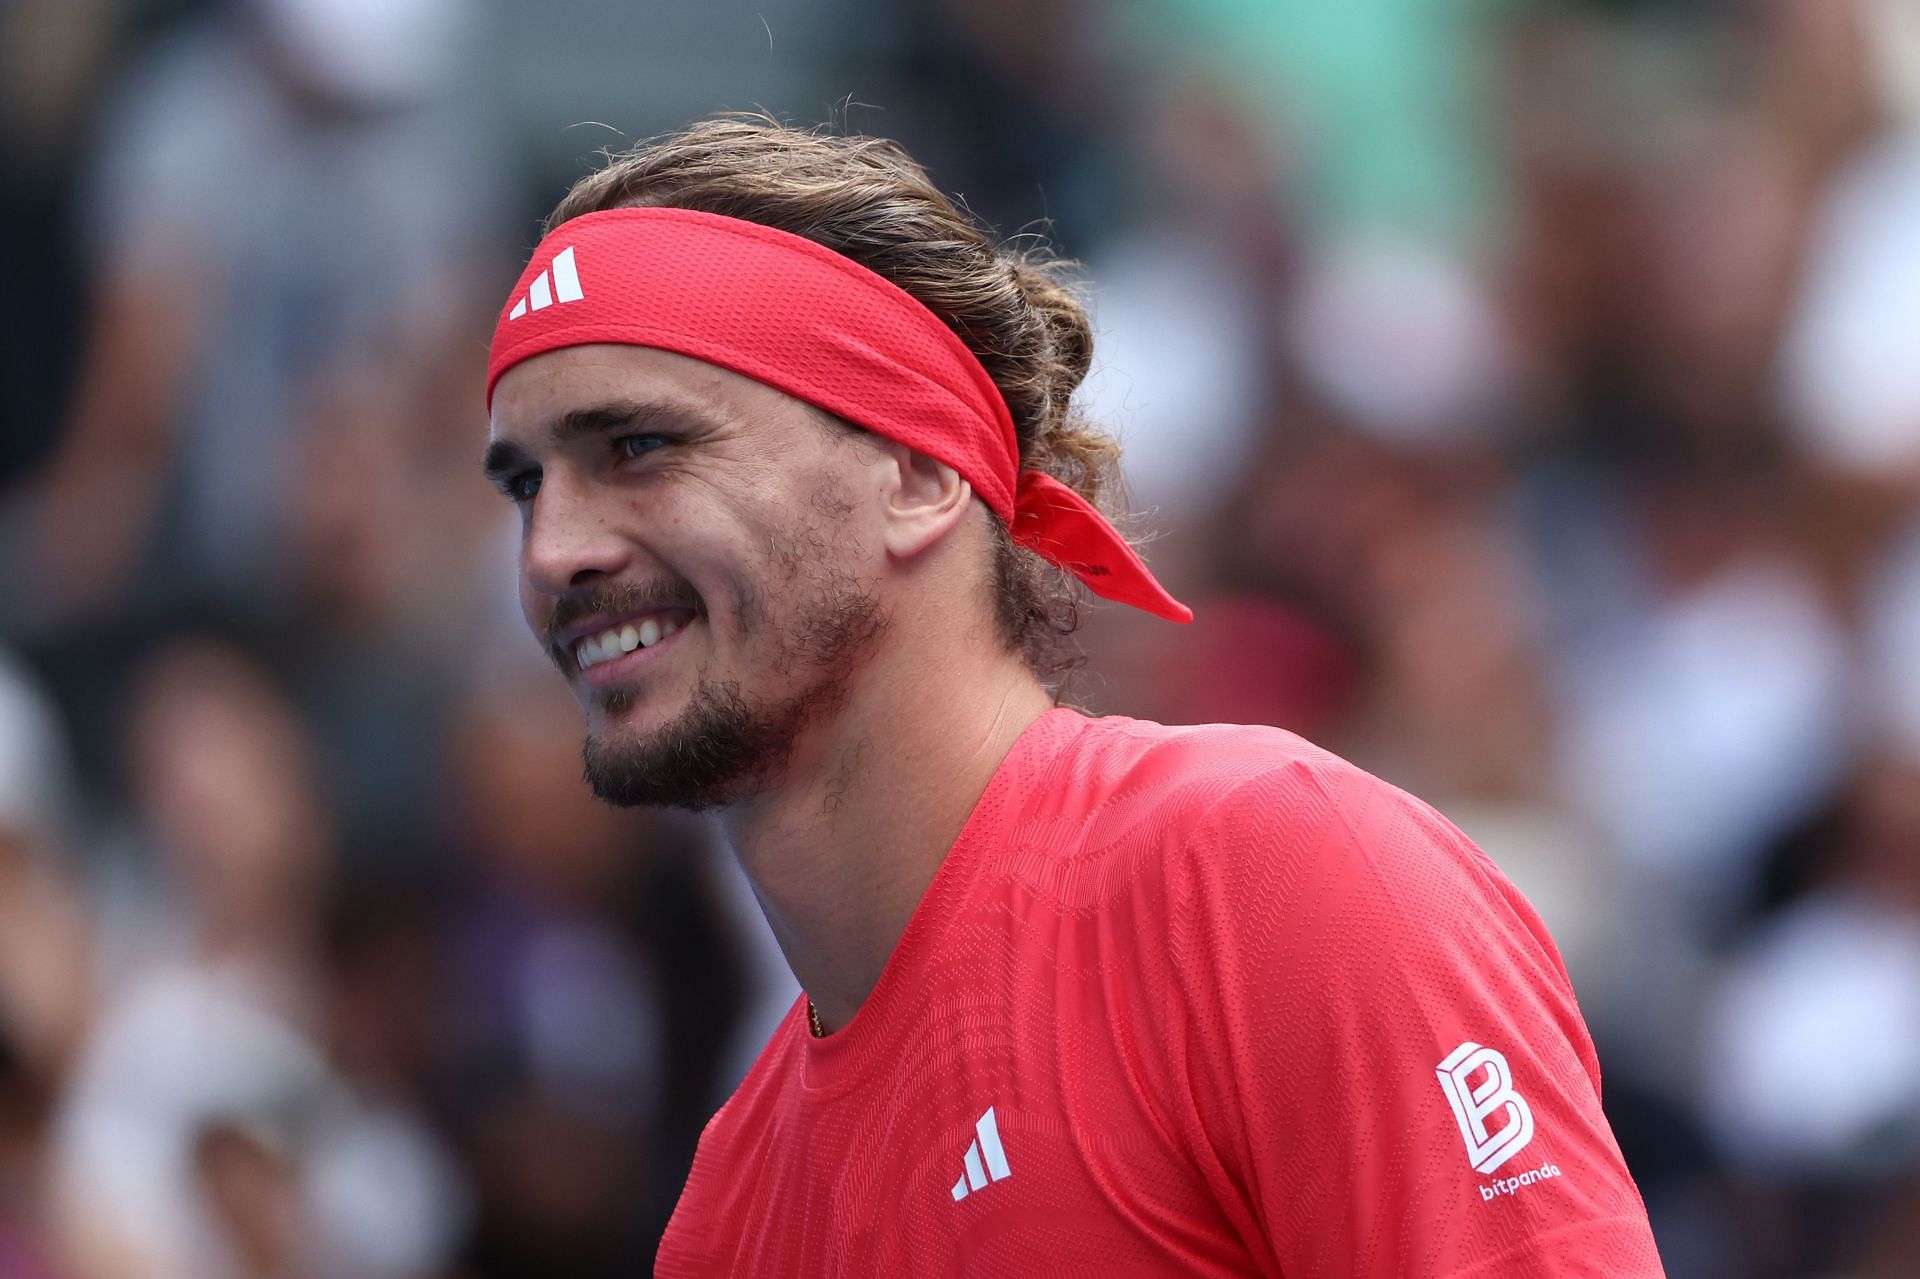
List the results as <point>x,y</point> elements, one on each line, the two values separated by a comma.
<point>1526,393</point>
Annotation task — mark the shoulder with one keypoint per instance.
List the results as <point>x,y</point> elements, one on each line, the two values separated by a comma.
<point>1136,798</point>
<point>1258,833</point>
<point>731,1156</point>
<point>1121,765</point>
<point>743,1118</point>
<point>1238,826</point>
<point>1220,797</point>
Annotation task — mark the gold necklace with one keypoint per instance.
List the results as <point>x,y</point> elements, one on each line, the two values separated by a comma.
<point>813,1021</point>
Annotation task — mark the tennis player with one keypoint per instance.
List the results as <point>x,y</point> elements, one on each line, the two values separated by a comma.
<point>803,504</point>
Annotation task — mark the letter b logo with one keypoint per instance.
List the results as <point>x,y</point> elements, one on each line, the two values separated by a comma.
<point>1474,1103</point>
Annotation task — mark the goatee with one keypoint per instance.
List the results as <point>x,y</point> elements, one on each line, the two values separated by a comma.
<point>725,747</point>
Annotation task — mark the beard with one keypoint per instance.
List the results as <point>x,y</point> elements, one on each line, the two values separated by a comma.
<point>726,746</point>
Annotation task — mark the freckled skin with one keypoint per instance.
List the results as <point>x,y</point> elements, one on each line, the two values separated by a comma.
<point>745,500</point>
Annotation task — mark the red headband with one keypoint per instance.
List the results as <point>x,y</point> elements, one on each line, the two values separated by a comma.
<point>802,319</point>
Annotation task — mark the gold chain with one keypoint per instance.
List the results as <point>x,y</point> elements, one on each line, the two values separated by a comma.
<point>813,1021</point>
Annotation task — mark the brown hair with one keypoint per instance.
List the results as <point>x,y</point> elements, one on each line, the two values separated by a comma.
<point>868,200</point>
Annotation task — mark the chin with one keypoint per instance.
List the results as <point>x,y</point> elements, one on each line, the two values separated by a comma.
<point>617,712</point>
<point>716,751</point>
<point>715,745</point>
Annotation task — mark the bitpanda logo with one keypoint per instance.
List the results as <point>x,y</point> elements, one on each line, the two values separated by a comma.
<point>1474,1102</point>
<point>1509,1185</point>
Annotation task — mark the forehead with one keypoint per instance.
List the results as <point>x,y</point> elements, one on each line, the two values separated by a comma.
<point>558,400</point>
<point>534,394</point>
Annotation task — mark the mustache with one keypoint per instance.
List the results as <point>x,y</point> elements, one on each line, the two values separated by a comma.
<point>618,598</point>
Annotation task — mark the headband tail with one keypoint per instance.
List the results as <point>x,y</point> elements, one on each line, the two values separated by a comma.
<point>1062,527</point>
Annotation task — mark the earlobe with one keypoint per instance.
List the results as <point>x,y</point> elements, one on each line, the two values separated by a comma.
<point>924,499</point>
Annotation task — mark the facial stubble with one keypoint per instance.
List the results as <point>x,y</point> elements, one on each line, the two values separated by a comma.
<point>726,745</point>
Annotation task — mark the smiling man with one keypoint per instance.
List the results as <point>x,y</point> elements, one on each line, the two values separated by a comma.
<point>804,510</point>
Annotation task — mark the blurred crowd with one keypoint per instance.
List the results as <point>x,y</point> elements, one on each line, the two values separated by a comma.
<point>1526,393</point>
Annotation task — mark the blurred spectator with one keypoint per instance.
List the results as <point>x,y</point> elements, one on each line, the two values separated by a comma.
<point>1182,295</point>
<point>46,1000</point>
<point>1851,362</point>
<point>1829,992</point>
<point>594,995</point>
<point>1403,340</point>
<point>1378,97</point>
<point>206,1133</point>
<point>53,55</point>
<point>258,213</point>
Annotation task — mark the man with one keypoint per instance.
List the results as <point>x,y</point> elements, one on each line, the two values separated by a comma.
<point>799,483</point>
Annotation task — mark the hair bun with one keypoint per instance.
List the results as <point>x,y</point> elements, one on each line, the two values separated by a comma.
<point>1069,334</point>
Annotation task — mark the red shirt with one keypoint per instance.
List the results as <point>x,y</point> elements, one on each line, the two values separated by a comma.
<point>1183,1001</point>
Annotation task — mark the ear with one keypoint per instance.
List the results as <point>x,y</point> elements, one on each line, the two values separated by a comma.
<point>922,499</point>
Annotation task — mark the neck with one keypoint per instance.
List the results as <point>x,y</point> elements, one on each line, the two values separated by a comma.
<point>842,850</point>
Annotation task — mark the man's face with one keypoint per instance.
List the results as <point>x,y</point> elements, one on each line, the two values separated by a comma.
<point>695,557</point>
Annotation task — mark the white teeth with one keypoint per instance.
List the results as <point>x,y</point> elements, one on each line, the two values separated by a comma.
<point>596,649</point>
<point>617,641</point>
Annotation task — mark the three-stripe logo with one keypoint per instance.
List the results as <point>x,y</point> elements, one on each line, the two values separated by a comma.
<point>986,1160</point>
<point>560,282</point>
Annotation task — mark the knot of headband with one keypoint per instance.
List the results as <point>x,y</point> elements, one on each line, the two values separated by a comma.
<point>798,317</point>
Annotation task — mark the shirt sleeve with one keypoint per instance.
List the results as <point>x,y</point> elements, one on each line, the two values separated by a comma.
<point>1381,1065</point>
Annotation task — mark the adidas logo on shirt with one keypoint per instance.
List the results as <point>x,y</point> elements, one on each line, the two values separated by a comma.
<point>985,1159</point>
<point>560,282</point>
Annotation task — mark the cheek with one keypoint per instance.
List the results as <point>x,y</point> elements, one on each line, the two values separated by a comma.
<point>754,552</point>
<point>821,553</point>
<point>535,606</point>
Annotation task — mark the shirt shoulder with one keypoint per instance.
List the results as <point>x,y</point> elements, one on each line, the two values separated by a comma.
<point>1121,774</point>
<point>1231,809</point>
<point>1378,1040</point>
<point>722,1188</point>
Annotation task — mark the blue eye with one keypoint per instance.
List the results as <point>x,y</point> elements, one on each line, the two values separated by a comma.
<point>638,445</point>
<point>523,487</point>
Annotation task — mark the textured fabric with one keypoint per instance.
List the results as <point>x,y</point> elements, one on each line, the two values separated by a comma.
<point>1206,980</point>
<point>805,320</point>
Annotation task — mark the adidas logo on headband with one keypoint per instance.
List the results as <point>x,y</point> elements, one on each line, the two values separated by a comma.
<point>811,323</point>
<point>564,286</point>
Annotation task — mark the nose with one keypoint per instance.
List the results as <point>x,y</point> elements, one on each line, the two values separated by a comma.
<point>568,539</point>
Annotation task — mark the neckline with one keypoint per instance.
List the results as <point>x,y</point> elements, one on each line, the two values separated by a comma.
<point>844,1056</point>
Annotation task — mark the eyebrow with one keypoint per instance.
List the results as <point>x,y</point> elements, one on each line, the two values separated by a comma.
<point>504,459</point>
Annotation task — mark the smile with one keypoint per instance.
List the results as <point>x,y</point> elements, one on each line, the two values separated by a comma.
<point>618,641</point>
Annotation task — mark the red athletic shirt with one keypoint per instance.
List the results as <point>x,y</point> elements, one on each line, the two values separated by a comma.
<point>1183,1001</point>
